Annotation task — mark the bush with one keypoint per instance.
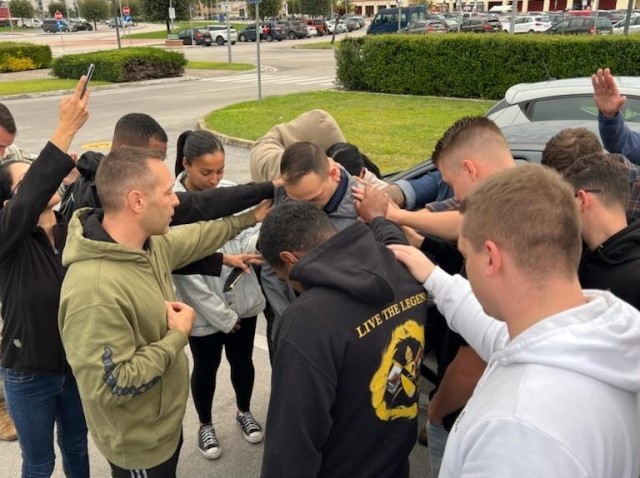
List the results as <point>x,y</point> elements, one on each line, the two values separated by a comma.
<point>476,65</point>
<point>16,56</point>
<point>128,64</point>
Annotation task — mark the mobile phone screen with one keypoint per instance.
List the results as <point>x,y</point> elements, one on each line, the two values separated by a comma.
<point>89,76</point>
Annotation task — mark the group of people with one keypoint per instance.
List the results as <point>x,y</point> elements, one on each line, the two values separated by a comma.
<point>110,267</point>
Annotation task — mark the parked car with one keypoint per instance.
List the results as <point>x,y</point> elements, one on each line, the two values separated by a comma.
<point>29,23</point>
<point>425,26</point>
<point>312,31</point>
<point>386,20</point>
<point>320,25</point>
<point>79,24</point>
<point>634,26</point>
<point>452,25</point>
<point>122,23</point>
<point>51,25</point>
<point>220,36</point>
<point>358,20</point>
<point>294,30</point>
<point>568,99</point>
<point>200,36</point>
<point>275,31</point>
<point>331,25</point>
<point>481,25</point>
<point>529,24</point>
<point>248,33</point>
<point>581,25</point>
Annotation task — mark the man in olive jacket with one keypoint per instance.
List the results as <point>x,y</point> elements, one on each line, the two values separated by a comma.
<point>123,333</point>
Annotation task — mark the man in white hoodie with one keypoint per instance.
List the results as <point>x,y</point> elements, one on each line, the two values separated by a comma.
<point>559,397</point>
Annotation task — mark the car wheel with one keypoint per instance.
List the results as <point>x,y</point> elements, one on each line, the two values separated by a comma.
<point>269,38</point>
<point>532,31</point>
<point>233,43</point>
<point>219,41</point>
<point>242,38</point>
<point>47,30</point>
<point>292,36</point>
<point>66,30</point>
<point>279,39</point>
<point>90,29</point>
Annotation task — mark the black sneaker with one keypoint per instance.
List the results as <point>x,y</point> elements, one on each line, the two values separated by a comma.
<point>208,442</point>
<point>251,429</point>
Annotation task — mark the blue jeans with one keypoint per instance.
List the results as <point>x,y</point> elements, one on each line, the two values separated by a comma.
<point>437,436</point>
<point>37,402</point>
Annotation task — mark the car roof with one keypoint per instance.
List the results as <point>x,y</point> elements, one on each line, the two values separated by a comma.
<point>628,85</point>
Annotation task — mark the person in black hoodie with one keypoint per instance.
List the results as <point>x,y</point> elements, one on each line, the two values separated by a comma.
<point>611,260</point>
<point>141,130</point>
<point>344,392</point>
<point>39,387</point>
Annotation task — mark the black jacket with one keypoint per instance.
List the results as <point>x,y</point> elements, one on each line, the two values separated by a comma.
<point>193,207</point>
<point>615,265</point>
<point>344,381</point>
<point>31,270</point>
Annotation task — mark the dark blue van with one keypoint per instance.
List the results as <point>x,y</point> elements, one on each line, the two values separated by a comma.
<point>386,21</point>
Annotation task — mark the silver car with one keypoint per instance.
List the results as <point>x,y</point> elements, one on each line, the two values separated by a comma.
<point>569,99</point>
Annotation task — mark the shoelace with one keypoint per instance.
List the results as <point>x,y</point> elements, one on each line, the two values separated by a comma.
<point>208,437</point>
<point>249,424</point>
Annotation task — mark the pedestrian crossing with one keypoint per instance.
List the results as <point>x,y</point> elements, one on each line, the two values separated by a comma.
<point>266,78</point>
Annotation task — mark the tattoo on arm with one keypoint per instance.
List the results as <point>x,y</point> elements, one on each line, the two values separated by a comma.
<point>395,194</point>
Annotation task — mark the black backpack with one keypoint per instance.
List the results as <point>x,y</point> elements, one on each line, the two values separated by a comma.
<point>82,192</point>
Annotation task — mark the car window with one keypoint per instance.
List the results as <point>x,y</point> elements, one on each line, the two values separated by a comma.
<point>576,108</point>
<point>604,23</point>
<point>562,25</point>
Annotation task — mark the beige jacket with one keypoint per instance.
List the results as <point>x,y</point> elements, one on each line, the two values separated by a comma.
<point>316,126</point>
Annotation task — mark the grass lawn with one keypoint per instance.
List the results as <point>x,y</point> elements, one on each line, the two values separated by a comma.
<point>324,45</point>
<point>35,86</point>
<point>394,131</point>
<point>219,65</point>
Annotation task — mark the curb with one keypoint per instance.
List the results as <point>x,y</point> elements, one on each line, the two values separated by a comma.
<point>226,139</point>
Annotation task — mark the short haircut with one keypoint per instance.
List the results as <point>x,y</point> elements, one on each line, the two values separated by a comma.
<point>122,170</point>
<point>605,173</point>
<point>194,144</point>
<point>303,158</point>
<point>293,226</point>
<point>6,120</point>
<point>136,129</point>
<point>470,132</point>
<point>568,145</point>
<point>529,211</point>
<point>348,156</point>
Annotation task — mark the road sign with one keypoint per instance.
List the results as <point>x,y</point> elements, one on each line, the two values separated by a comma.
<point>58,15</point>
<point>127,18</point>
<point>60,25</point>
<point>172,13</point>
<point>125,11</point>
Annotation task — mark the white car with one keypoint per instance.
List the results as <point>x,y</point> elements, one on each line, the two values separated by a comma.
<point>312,31</point>
<point>634,26</point>
<point>529,24</point>
<point>219,34</point>
<point>570,99</point>
<point>331,24</point>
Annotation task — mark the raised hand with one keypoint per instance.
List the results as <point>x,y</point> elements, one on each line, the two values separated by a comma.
<point>605,93</point>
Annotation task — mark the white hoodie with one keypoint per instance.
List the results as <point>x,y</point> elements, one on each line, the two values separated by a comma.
<point>559,400</point>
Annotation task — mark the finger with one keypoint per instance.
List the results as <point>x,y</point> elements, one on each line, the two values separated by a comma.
<point>80,86</point>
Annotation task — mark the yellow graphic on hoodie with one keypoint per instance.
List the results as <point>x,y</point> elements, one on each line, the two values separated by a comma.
<point>394,386</point>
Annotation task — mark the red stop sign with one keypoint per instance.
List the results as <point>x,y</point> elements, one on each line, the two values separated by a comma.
<point>125,10</point>
<point>58,15</point>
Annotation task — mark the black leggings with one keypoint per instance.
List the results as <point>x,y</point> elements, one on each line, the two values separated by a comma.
<point>163,470</point>
<point>207,353</point>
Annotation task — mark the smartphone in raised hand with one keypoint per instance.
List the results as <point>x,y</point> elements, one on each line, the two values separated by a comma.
<point>89,75</point>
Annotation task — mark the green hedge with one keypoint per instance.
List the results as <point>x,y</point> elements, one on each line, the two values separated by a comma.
<point>16,56</point>
<point>476,65</point>
<point>127,64</point>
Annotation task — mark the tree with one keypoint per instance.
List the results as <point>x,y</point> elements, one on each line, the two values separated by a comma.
<point>94,11</point>
<point>268,9</point>
<point>58,6</point>
<point>315,7</point>
<point>21,9</point>
<point>158,10</point>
